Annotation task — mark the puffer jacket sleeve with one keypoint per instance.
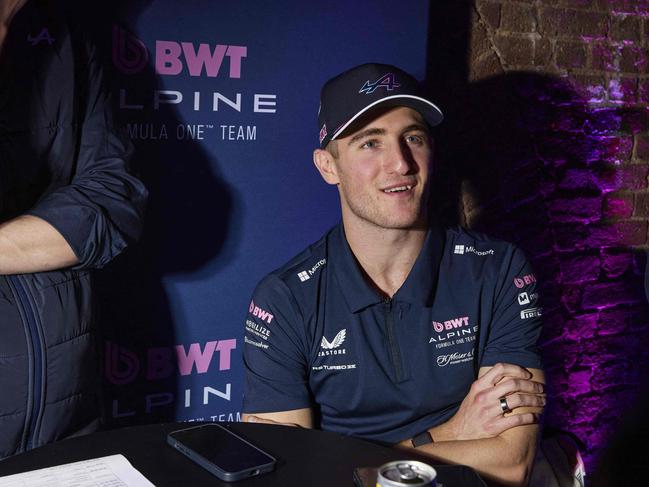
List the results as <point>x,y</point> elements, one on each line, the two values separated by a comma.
<point>100,212</point>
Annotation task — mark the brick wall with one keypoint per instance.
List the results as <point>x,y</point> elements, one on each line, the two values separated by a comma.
<point>547,145</point>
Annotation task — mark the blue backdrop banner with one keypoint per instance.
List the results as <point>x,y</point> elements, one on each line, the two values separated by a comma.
<point>220,99</point>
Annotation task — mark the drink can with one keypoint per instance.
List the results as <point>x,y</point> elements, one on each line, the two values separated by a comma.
<point>406,473</point>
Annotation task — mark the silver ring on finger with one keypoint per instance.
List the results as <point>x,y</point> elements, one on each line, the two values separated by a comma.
<point>503,405</point>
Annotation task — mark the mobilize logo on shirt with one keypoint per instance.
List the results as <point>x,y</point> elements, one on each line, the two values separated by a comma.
<point>526,298</point>
<point>259,330</point>
<point>470,249</point>
<point>306,274</point>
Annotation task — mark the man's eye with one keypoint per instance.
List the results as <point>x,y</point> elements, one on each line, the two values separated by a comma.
<point>416,139</point>
<point>370,144</point>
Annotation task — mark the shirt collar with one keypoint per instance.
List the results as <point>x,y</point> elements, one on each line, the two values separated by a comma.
<point>421,283</point>
<point>419,286</point>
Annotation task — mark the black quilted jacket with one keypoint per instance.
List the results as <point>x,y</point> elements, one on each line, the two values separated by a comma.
<point>61,160</point>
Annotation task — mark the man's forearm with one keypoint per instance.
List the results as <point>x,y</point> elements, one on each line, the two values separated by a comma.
<point>302,418</point>
<point>30,244</point>
<point>497,441</point>
<point>494,458</point>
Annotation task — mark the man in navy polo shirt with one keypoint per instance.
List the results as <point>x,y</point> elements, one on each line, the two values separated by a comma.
<point>390,328</point>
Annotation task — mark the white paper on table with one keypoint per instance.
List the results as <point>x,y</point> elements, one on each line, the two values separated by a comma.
<point>111,471</point>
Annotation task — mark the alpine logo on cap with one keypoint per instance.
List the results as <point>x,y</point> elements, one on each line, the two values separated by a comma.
<point>386,81</point>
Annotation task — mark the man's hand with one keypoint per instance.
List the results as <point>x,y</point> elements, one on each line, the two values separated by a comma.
<point>499,445</point>
<point>481,416</point>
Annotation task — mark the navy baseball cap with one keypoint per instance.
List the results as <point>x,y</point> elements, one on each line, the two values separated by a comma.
<point>349,95</point>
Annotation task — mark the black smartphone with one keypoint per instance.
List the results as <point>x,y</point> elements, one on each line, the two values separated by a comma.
<point>221,452</point>
<point>365,476</point>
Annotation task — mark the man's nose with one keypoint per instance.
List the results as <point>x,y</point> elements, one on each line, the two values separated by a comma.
<point>399,159</point>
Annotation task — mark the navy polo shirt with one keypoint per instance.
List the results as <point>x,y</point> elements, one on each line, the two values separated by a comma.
<point>318,335</point>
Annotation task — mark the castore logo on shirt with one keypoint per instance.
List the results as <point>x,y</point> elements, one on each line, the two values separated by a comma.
<point>333,347</point>
<point>336,342</point>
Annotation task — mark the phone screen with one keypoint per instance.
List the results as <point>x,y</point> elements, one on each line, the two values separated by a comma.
<point>222,448</point>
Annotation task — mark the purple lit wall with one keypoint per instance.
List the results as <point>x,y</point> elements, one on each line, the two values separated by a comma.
<point>547,145</point>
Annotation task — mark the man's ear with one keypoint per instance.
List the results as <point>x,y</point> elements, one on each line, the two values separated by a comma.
<point>326,165</point>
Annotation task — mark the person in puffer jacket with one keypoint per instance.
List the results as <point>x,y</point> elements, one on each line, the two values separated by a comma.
<point>68,205</point>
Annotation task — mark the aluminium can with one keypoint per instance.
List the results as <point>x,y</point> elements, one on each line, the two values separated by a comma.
<point>406,473</point>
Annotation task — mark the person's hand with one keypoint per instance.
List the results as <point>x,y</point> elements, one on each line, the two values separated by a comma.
<point>481,414</point>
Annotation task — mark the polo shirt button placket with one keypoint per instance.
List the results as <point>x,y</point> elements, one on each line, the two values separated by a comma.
<point>395,353</point>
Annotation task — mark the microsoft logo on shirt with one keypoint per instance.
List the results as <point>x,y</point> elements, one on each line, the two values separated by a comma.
<point>306,274</point>
<point>470,249</point>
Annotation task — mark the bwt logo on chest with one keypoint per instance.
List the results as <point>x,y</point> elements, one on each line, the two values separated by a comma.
<point>260,313</point>
<point>451,324</point>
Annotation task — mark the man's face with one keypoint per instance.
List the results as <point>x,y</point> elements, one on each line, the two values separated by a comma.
<point>382,171</point>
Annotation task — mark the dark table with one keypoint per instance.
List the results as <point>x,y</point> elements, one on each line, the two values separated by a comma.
<point>305,457</point>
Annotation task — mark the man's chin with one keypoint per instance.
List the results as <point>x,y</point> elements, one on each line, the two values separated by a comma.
<point>391,218</point>
<point>405,223</point>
